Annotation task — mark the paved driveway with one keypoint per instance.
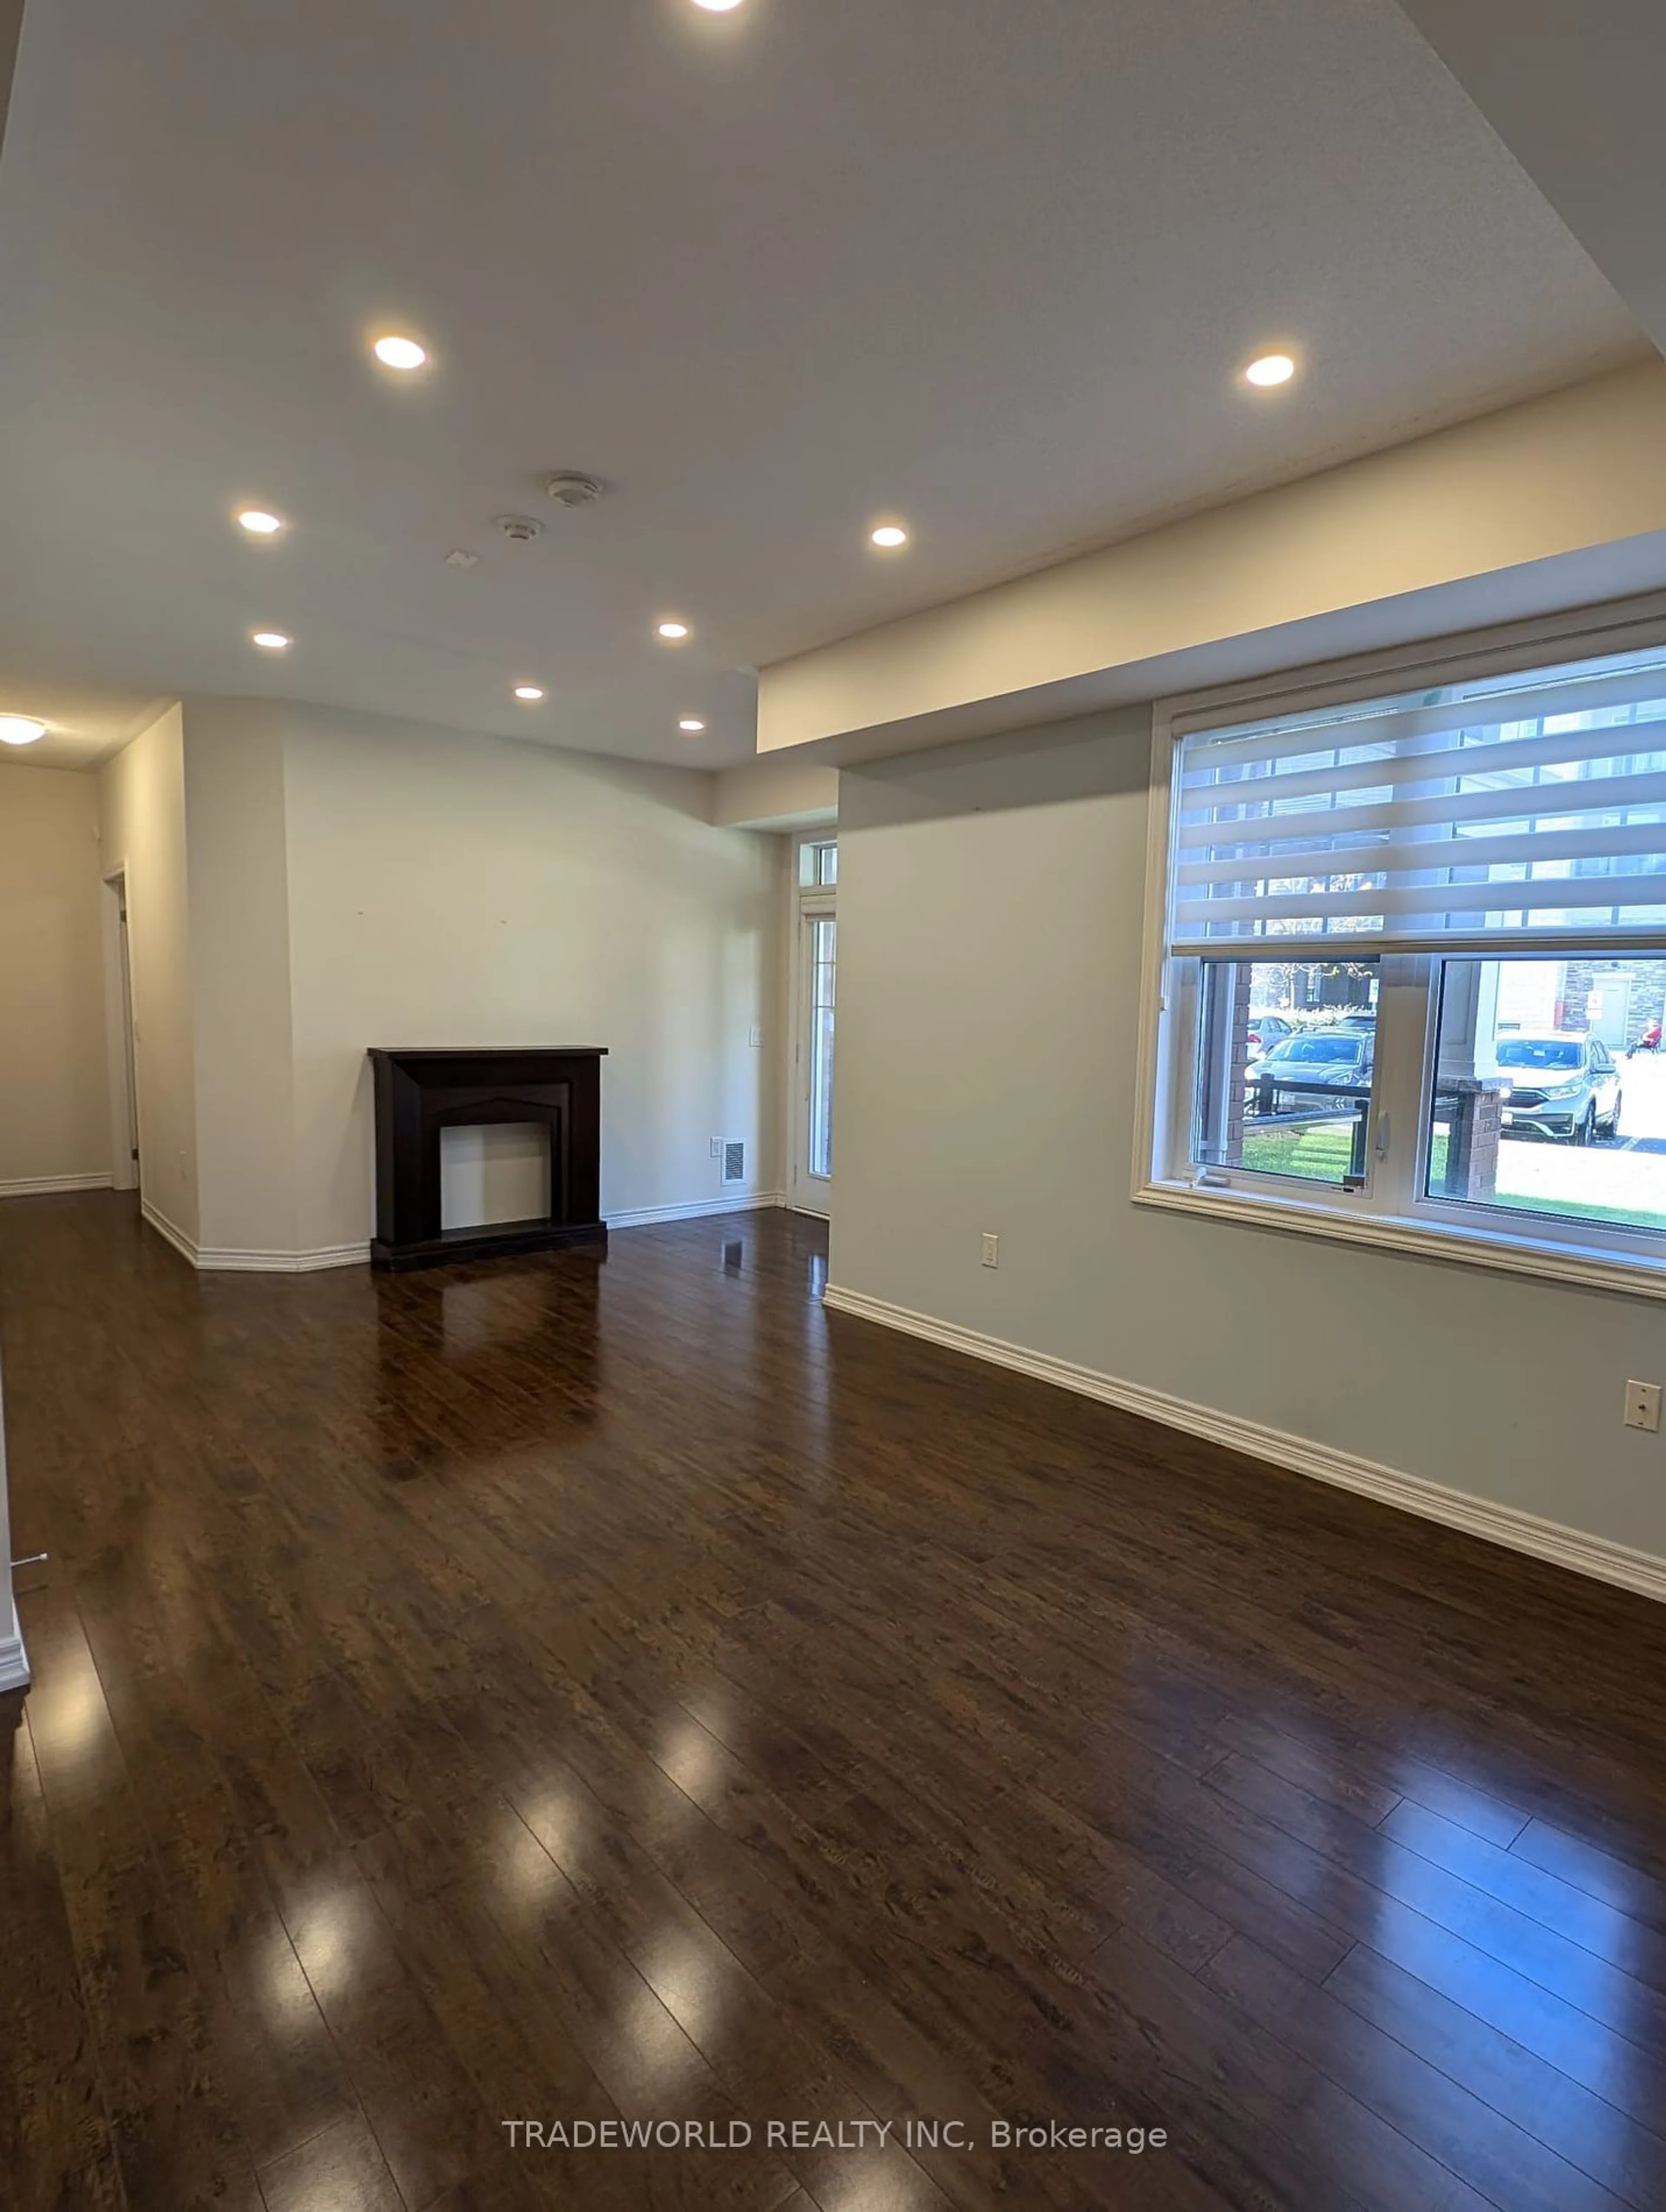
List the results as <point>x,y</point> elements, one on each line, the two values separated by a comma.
<point>1627,1178</point>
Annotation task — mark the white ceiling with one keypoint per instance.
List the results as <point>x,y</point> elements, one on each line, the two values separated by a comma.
<point>1575,94</point>
<point>770,273</point>
<point>86,723</point>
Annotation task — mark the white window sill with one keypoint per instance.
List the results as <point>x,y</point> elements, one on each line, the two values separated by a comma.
<point>1593,1267</point>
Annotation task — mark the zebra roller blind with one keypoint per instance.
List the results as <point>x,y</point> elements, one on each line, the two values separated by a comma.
<point>1532,805</point>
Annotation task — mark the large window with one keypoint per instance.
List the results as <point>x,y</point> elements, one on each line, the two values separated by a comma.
<point>1412,971</point>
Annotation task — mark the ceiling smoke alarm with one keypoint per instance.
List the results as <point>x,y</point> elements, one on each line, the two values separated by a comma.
<point>519,529</point>
<point>568,489</point>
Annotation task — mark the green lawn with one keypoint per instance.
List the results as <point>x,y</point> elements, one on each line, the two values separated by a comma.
<point>1324,1154</point>
<point>1627,1217</point>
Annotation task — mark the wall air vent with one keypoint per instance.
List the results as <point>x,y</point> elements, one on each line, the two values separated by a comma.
<point>734,1161</point>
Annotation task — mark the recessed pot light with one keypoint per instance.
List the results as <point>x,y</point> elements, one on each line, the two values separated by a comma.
<point>530,693</point>
<point>1269,369</point>
<point>396,352</point>
<point>717,7</point>
<point>888,536</point>
<point>672,631</point>
<point>271,641</point>
<point>691,725</point>
<point>260,522</point>
<point>20,730</point>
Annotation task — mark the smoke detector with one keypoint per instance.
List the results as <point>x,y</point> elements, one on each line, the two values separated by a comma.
<point>519,529</point>
<point>569,489</point>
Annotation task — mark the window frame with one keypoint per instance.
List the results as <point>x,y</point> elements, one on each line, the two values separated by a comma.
<point>812,848</point>
<point>1392,1210</point>
<point>809,899</point>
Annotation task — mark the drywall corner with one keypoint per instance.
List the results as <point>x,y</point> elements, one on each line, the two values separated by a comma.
<point>238,901</point>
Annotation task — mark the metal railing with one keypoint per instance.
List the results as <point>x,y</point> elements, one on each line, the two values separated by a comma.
<point>1267,1089</point>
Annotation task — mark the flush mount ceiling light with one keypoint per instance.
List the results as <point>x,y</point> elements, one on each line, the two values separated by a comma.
<point>402,353</point>
<point>260,522</point>
<point>271,641</point>
<point>671,631</point>
<point>888,536</point>
<point>529,694</point>
<point>717,7</point>
<point>691,725</point>
<point>20,730</point>
<point>1270,369</point>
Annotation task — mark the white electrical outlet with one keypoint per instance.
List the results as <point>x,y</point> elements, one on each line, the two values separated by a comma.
<point>992,1249</point>
<point>717,1147</point>
<point>755,1037</point>
<point>1643,1406</point>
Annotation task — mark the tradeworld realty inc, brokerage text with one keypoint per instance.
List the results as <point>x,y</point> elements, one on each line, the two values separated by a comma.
<point>866,2134</point>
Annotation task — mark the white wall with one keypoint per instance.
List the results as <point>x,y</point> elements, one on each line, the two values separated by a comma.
<point>240,975</point>
<point>54,1103</point>
<point>783,793</point>
<point>449,890</point>
<point>990,910</point>
<point>142,817</point>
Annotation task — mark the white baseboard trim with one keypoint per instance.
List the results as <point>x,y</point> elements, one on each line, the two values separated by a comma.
<point>644,1217</point>
<point>1583,1555</point>
<point>14,1659</point>
<point>284,1263</point>
<point>210,1261</point>
<point>46,1186</point>
<point>164,1228</point>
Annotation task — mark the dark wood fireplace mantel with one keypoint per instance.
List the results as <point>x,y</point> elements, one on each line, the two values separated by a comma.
<point>419,1093</point>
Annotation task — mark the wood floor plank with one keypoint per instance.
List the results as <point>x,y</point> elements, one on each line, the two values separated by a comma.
<point>1563,2037</point>
<point>343,2167</point>
<point>175,2139</point>
<point>56,2146</point>
<point>1581,2127</point>
<point>426,2112</point>
<point>1631,1945</point>
<point>1373,1859</point>
<point>282,2077</point>
<point>1297,2131</point>
<point>1597,1873</point>
<point>551,1686</point>
<point>1458,2129</point>
<point>1352,1785</point>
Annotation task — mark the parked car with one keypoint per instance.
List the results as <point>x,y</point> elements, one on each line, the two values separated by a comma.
<point>1312,1066</point>
<point>1267,1030</point>
<point>1563,1085</point>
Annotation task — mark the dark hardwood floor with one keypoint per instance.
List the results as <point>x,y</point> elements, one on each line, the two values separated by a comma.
<point>566,1692</point>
